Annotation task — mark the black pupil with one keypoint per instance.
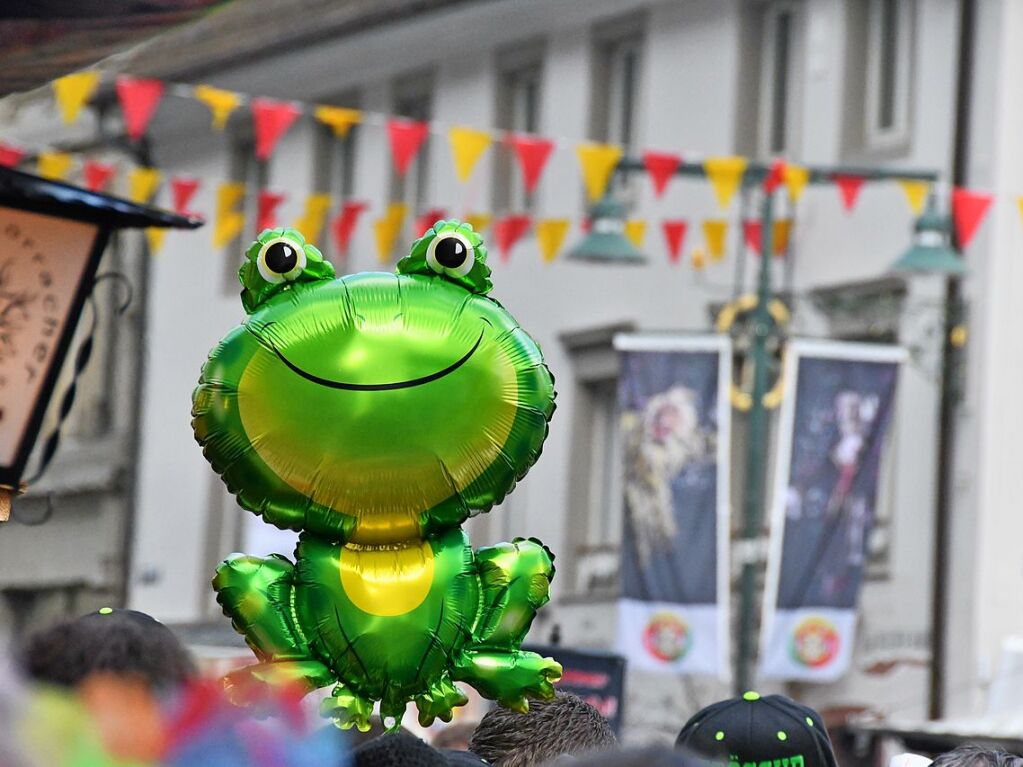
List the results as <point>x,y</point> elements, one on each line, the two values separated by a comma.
<point>450,252</point>
<point>281,258</point>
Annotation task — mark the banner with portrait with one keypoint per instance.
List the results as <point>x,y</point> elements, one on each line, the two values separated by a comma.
<point>833,425</point>
<point>675,426</point>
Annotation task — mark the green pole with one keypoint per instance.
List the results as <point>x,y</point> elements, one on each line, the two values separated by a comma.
<point>756,465</point>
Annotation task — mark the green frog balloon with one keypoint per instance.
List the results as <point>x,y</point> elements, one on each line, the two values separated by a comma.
<point>374,414</point>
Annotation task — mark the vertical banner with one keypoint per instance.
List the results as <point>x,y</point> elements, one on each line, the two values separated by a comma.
<point>675,427</point>
<point>833,423</point>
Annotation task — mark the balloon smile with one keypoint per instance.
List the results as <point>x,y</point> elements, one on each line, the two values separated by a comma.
<point>380,386</point>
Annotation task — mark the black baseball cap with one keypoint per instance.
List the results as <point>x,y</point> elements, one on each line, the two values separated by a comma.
<point>758,731</point>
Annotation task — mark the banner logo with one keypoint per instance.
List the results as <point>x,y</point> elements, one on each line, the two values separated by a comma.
<point>667,637</point>
<point>815,642</point>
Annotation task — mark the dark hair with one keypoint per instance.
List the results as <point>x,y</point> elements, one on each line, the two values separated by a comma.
<point>454,736</point>
<point>650,757</point>
<point>565,725</point>
<point>108,641</point>
<point>397,749</point>
<point>971,755</point>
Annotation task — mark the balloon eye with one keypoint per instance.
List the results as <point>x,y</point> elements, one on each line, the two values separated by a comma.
<point>451,254</point>
<point>280,260</point>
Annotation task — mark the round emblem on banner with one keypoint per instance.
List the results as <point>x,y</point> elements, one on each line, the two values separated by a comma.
<point>667,637</point>
<point>815,642</point>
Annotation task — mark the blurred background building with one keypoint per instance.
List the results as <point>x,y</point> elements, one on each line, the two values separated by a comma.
<point>838,82</point>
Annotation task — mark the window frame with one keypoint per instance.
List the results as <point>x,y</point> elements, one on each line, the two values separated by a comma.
<point>768,81</point>
<point>333,160</point>
<point>875,135</point>
<point>412,188</point>
<point>522,65</point>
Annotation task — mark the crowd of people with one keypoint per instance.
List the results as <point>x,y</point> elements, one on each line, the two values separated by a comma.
<point>116,688</point>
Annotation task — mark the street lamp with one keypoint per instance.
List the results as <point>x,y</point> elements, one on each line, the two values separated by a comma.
<point>606,241</point>
<point>931,251</point>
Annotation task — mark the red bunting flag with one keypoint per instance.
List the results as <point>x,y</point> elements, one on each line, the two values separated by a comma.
<point>271,120</point>
<point>968,211</point>
<point>508,231</point>
<point>266,209</point>
<point>139,100</point>
<point>775,176</point>
<point>183,189</point>
<point>97,175</point>
<point>674,236</point>
<point>407,137</point>
<point>661,166</point>
<point>849,187</point>
<point>532,153</point>
<point>428,219</point>
<point>751,231</point>
<point>343,225</point>
<point>10,155</point>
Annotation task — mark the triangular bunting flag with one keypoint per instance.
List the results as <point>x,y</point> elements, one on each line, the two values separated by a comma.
<point>183,189</point>
<point>10,155</point>
<point>73,91</point>
<point>344,223</point>
<point>339,119</point>
<point>550,235</point>
<point>1019,204</point>
<point>387,228</point>
<point>479,222</point>
<point>699,259</point>
<point>271,120</point>
<point>139,100</point>
<point>635,231</point>
<point>725,176</point>
<point>780,240</point>
<point>428,219</point>
<point>467,146</point>
<point>311,222</point>
<point>751,233</point>
<point>775,176</point>
<point>714,231</point>
<point>532,153</point>
<point>228,222</point>
<point>968,211</point>
<point>796,177</point>
<point>54,165</point>
<point>508,231</point>
<point>661,166</point>
<point>674,236</point>
<point>155,236</point>
<point>849,187</point>
<point>97,175</point>
<point>220,102</point>
<point>916,193</point>
<point>598,162</point>
<point>142,183</point>
<point>266,209</point>
<point>407,137</point>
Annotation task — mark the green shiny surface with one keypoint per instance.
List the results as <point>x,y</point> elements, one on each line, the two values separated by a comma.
<point>374,413</point>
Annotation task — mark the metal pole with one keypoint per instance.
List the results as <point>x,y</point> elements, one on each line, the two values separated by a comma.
<point>756,465</point>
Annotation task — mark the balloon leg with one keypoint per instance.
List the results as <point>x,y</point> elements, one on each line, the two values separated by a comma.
<point>253,684</point>
<point>509,677</point>
<point>348,709</point>
<point>439,702</point>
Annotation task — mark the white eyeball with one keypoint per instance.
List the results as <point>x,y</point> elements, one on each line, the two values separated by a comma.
<point>451,253</point>
<point>280,260</point>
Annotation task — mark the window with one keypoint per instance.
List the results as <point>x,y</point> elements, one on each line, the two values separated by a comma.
<point>519,80</point>
<point>779,88</point>
<point>334,163</point>
<point>889,54</point>
<point>413,99</point>
<point>244,166</point>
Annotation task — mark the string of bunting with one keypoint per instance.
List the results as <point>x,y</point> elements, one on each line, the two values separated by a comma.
<point>140,100</point>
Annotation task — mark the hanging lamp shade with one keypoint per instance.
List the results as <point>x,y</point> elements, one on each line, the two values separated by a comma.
<point>931,251</point>
<point>606,242</point>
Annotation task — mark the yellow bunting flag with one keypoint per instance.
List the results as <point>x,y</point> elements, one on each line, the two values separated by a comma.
<point>142,183</point>
<point>796,177</point>
<point>220,102</point>
<point>229,221</point>
<point>387,228</point>
<point>1019,202</point>
<point>479,222</point>
<point>339,119</point>
<point>550,235</point>
<point>635,230</point>
<point>54,165</point>
<point>725,175</point>
<point>311,222</point>
<point>155,236</point>
<point>73,91</point>
<point>699,259</point>
<point>598,162</point>
<point>714,231</point>
<point>467,145</point>
<point>916,194</point>
<point>782,230</point>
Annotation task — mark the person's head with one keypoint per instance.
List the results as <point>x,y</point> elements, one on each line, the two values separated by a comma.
<point>970,755</point>
<point>758,729</point>
<point>397,749</point>
<point>455,736</point>
<point>565,725</point>
<point>121,643</point>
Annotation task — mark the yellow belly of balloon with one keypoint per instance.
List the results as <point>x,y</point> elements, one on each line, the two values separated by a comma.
<point>387,581</point>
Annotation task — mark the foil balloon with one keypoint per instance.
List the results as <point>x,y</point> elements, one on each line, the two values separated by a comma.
<point>374,414</point>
